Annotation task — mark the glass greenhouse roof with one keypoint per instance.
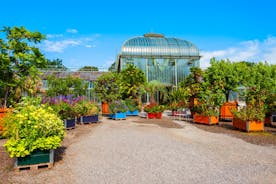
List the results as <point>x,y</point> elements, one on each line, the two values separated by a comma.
<point>158,45</point>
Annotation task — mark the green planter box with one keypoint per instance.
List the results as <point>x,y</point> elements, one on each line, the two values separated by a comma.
<point>36,157</point>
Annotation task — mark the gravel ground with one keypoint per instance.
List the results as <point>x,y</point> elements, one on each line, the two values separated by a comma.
<point>130,151</point>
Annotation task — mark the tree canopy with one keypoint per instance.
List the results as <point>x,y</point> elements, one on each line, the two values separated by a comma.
<point>19,59</point>
<point>89,68</point>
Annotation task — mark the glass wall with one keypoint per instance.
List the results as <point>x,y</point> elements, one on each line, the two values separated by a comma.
<point>169,71</point>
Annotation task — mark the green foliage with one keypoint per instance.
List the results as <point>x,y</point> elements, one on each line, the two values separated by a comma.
<point>19,58</point>
<point>86,108</point>
<point>153,87</point>
<point>255,106</point>
<point>178,98</point>
<point>107,87</point>
<point>32,126</point>
<point>209,101</point>
<point>112,68</point>
<point>193,83</point>
<point>117,106</point>
<point>89,68</point>
<point>66,86</point>
<point>132,104</point>
<point>224,75</point>
<point>154,108</point>
<point>131,81</point>
<point>55,64</point>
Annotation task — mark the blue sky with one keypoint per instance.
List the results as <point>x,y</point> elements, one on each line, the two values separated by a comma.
<point>92,32</point>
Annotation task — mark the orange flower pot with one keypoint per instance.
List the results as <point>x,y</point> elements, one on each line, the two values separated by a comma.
<point>225,110</point>
<point>208,120</point>
<point>248,126</point>
<point>105,109</point>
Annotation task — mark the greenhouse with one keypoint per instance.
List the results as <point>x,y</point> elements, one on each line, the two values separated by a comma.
<point>167,60</point>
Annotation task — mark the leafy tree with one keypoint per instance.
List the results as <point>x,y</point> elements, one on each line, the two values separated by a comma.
<point>112,68</point>
<point>66,86</point>
<point>19,58</point>
<point>55,64</point>
<point>193,83</point>
<point>107,87</point>
<point>131,81</point>
<point>89,68</point>
<point>225,75</point>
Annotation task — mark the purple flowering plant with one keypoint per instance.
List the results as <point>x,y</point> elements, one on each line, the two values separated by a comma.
<point>63,105</point>
<point>117,106</point>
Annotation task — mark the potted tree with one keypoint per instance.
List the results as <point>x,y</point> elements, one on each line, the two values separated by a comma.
<point>117,109</point>
<point>33,131</point>
<point>251,117</point>
<point>87,112</point>
<point>107,89</point>
<point>208,106</point>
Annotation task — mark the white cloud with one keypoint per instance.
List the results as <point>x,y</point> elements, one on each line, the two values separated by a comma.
<point>73,31</point>
<point>253,50</point>
<point>54,35</point>
<point>58,43</point>
<point>90,46</point>
<point>59,46</point>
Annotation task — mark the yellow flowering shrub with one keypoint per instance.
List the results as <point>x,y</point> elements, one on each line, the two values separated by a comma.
<point>30,127</point>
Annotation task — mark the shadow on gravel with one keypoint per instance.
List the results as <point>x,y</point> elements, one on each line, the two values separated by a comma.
<point>59,152</point>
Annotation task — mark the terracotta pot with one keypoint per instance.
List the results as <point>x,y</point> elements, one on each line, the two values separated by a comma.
<point>105,109</point>
<point>208,120</point>
<point>225,110</point>
<point>248,126</point>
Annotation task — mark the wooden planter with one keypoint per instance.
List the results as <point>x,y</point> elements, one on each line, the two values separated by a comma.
<point>225,110</point>
<point>105,109</point>
<point>157,115</point>
<point>118,116</point>
<point>248,126</point>
<point>70,123</point>
<point>132,113</point>
<point>39,158</point>
<point>89,119</point>
<point>208,120</point>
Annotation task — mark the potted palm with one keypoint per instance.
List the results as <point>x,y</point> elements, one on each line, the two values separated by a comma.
<point>33,131</point>
<point>87,112</point>
<point>117,109</point>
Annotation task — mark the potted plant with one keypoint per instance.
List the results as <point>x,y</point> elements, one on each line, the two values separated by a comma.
<point>33,131</point>
<point>227,76</point>
<point>87,112</point>
<point>133,107</point>
<point>251,117</point>
<point>117,109</point>
<point>178,100</point>
<point>64,106</point>
<point>107,90</point>
<point>154,110</point>
<point>208,106</point>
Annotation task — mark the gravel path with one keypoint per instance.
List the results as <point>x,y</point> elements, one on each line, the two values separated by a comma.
<point>127,152</point>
